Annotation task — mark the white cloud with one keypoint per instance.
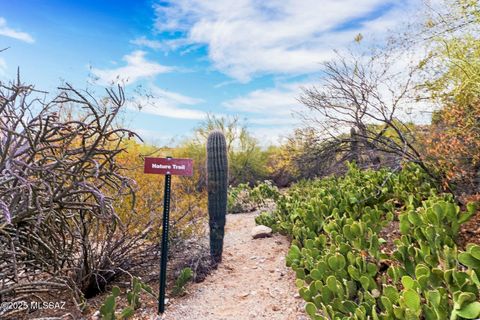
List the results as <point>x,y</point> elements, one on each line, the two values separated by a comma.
<point>271,135</point>
<point>152,44</point>
<point>137,67</point>
<point>165,45</point>
<point>272,100</point>
<point>270,106</point>
<point>15,34</point>
<point>271,111</point>
<point>167,104</point>
<point>247,37</point>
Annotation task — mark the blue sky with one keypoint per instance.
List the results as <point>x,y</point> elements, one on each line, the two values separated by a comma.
<point>226,57</point>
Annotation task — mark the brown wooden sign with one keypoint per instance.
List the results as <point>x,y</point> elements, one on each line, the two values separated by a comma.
<point>171,166</point>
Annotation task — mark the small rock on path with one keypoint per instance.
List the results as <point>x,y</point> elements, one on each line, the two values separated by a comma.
<point>261,232</point>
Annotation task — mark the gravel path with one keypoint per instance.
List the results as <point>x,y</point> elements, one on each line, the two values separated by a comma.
<point>252,282</point>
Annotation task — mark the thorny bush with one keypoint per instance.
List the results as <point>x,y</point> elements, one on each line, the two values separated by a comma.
<point>59,178</point>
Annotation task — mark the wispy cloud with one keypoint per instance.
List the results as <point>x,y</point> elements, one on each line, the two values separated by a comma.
<point>137,67</point>
<point>270,106</point>
<point>167,104</point>
<point>12,33</point>
<point>164,45</point>
<point>247,38</point>
<point>152,44</point>
<point>271,111</point>
<point>272,135</point>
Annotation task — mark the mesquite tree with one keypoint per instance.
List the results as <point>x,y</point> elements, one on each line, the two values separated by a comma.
<point>372,97</point>
<point>58,228</point>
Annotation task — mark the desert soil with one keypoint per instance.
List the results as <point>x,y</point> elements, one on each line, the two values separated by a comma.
<point>252,282</point>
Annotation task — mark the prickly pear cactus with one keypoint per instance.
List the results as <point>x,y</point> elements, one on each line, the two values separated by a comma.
<point>217,184</point>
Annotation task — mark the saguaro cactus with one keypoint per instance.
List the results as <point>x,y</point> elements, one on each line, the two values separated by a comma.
<point>354,145</point>
<point>217,184</point>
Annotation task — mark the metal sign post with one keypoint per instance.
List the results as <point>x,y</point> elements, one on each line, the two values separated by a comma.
<point>164,257</point>
<point>167,166</point>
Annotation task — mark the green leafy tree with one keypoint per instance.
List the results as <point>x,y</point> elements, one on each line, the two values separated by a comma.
<point>452,72</point>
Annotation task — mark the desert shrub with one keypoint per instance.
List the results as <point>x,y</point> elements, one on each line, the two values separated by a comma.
<point>298,158</point>
<point>195,150</point>
<point>188,204</point>
<point>58,226</point>
<point>345,271</point>
<point>183,278</point>
<point>248,162</point>
<point>239,199</point>
<point>452,79</point>
<point>453,146</point>
<point>264,191</point>
<point>281,169</point>
<point>244,198</point>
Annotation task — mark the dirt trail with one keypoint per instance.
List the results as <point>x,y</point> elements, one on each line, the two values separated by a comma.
<point>252,282</point>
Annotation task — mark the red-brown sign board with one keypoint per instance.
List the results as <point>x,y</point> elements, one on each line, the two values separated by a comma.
<point>172,166</point>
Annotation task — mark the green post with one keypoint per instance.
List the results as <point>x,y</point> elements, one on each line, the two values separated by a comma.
<point>164,257</point>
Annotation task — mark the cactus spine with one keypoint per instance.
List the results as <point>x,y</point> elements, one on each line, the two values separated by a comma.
<point>217,184</point>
